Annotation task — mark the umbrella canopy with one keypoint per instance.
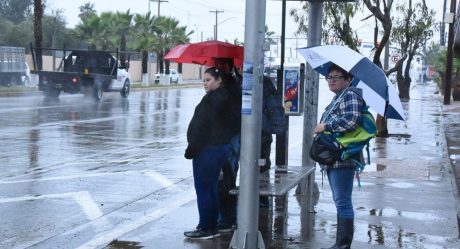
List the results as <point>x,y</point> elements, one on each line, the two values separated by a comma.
<point>204,53</point>
<point>378,92</point>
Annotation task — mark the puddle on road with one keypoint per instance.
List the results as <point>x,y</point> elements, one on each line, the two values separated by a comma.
<point>375,167</point>
<point>401,185</point>
<point>454,156</point>
<point>390,212</point>
<point>120,244</point>
<point>387,234</point>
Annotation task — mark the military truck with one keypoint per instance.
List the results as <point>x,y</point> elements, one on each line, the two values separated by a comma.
<point>89,72</point>
<point>13,67</point>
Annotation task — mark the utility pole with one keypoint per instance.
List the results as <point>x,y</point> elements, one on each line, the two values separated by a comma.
<point>443,26</point>
<point>215,27</point>
<point>159,3</point>
<point>450,42</point>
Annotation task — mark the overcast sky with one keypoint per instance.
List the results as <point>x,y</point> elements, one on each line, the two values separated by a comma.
<point>196,15</point>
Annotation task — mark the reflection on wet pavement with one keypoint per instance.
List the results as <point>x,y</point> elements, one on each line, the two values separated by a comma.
<point>119,244</point>
<point>69,162</point>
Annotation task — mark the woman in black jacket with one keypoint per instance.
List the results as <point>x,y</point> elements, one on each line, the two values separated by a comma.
<point>208,138</point>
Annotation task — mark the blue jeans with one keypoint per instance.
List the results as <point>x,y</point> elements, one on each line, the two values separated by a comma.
<point>206,168</point>
<point>228,205</point>
<point>341,183</point>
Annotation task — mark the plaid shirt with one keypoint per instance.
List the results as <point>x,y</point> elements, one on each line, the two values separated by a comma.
<point>345,116</point>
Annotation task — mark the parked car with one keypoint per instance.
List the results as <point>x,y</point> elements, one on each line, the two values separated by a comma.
<point>173,76</point>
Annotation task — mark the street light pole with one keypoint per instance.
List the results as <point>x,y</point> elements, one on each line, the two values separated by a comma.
<point>215,27</point>
<point>159,3</point>
<point>450,42</point>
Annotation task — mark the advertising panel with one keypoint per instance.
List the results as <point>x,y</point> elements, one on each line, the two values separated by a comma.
<point>292,89</point>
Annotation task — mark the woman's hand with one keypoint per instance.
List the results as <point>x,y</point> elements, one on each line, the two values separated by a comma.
<point>319,128</point>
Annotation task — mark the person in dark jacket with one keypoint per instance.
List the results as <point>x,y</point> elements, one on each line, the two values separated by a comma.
<point>343,114</point>
<point>227,181</point>
<point>208,140</point>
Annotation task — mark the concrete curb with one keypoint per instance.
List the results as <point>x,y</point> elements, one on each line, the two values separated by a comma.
<point>136,89</point>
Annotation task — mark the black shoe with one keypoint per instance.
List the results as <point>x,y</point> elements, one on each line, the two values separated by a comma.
<point>222,228</point>
<point>202,234</point>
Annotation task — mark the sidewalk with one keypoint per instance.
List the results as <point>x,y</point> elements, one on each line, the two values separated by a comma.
<point>408,198</point>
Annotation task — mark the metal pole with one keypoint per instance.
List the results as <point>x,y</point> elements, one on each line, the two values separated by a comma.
<point>387,56</point>
<point>247,235</point>
<point>215,27</point>
<point>315,17</point>
<point>159,3</point>
<point>282,140</point>
<point>450,42</point>
<point>443,26</point>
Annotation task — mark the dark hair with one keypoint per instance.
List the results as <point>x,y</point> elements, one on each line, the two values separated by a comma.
<point>223,61</point>
<point>215,72</point>
<point>334,67</point>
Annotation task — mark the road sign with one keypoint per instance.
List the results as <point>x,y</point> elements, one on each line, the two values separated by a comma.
<point>394,58</point>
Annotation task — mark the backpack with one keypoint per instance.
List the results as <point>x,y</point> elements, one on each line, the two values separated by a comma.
<point>273,118</point>
<point>329,147</point>
<point>353,142</point>
<point>345,145</point>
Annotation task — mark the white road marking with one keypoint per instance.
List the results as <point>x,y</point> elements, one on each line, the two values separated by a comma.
<point>150,215</point>
<point>87,203</point>
<point>165,182</point>
<point>82,198</point>
<point>149,173</point>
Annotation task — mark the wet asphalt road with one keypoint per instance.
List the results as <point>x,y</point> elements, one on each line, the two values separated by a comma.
<point>74,167</point>
<point>79,174</point>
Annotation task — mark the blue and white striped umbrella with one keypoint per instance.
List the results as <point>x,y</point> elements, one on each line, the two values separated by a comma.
<point>378,92</point>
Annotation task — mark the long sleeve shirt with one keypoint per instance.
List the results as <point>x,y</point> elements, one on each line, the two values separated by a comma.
<point>344,114</point>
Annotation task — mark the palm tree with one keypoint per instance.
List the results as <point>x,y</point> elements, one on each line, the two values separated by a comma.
<point>92,31</point>
<point>143,36</point>
<point>123,23</point>
<point>167,35</point>
<point>38,14</point>
<point>87,11</point>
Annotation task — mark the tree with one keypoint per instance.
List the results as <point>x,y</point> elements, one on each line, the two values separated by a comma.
<point>54,31</point>
<point>17,35</point>
<point>167,34</point>
<point>410,34</point>
<point>87,11</point>
<point>96,31</point>
<point>123,25</point>
<point>269,40</point>
<point>381,10</point>
<point>143,34</point>
<point>15,11</point>
<point>336,22</point>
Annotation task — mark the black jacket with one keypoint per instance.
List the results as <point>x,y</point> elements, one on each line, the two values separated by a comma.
<point>211,122</point>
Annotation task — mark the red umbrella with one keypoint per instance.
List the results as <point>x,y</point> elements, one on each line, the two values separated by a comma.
<point>204,53</point>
